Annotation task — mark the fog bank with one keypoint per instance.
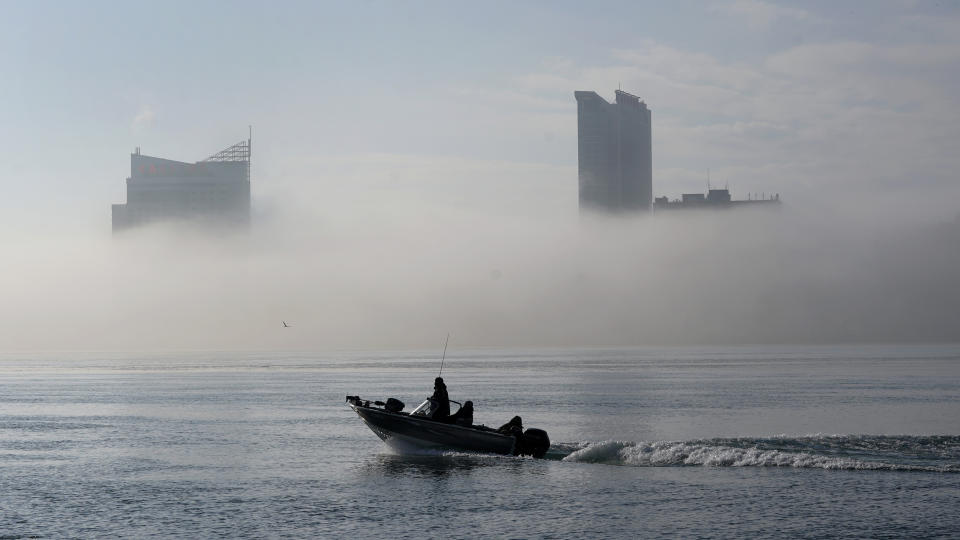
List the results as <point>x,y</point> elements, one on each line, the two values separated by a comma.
<point>403,276</point>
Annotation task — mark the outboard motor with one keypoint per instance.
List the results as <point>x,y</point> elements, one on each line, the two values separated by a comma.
<point>534,442</point>
<point>393,405</point>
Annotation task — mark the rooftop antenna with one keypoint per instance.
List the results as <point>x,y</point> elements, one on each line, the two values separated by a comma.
<point>708,178</point>
<point>444,357</point>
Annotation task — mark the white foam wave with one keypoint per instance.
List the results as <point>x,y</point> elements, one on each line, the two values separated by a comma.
<point>667,453</point>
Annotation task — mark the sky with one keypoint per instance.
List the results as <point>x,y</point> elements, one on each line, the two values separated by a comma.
<point>412,116</point>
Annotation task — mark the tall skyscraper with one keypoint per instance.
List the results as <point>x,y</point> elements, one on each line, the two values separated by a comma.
<point>615,154</point>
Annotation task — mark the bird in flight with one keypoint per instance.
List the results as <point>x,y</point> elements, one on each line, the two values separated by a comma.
<point>285,325</point>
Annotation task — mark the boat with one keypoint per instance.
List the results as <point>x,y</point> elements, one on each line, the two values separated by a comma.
<point>417,431</point>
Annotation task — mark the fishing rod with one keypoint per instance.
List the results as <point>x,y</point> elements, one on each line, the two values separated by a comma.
<point>444,354</point>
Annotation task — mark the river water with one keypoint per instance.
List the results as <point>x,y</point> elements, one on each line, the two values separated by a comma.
<point>807,442</point>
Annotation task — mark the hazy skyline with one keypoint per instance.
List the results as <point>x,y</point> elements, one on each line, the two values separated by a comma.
<point>414,171</point>
<point>815,100</point>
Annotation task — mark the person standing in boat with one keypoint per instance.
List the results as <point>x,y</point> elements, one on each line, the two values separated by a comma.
<point>440,399</point>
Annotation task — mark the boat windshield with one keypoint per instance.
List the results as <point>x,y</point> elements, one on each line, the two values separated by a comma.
<point>429,405</point>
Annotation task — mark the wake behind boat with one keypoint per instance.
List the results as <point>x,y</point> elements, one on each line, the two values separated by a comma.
<point>416,430</point>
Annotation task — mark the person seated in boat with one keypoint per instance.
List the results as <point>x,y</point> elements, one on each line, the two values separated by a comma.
<point>513,427</point>
<point>463,417</point>
<point>440,399</point>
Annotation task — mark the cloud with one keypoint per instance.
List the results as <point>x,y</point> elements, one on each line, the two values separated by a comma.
<point>145,118</point>
<point>759,14</point>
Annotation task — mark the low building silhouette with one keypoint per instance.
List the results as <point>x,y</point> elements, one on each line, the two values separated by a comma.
<point>212,191</point>
<point>714,198</point>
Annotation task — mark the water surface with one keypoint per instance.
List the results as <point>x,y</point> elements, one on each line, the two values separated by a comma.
<point>810,442</point>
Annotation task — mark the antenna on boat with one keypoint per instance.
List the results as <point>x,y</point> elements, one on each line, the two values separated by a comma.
<point>444,354</point>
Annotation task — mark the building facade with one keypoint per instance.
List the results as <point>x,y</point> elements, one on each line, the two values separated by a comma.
<point>215,190</point>
<point>615,155</point>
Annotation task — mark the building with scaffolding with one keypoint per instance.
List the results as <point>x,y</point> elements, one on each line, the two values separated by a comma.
<point>213,191</point>
<point>615,156</point>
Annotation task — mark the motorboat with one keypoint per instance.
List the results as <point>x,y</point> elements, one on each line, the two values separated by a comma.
<point>415,430</point>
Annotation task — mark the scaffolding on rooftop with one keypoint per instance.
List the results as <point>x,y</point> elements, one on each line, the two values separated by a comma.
<point>237,152</point>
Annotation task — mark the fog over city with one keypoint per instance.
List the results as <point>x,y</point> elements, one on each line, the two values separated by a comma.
<point>342,279</point>
<point>404,188</point>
